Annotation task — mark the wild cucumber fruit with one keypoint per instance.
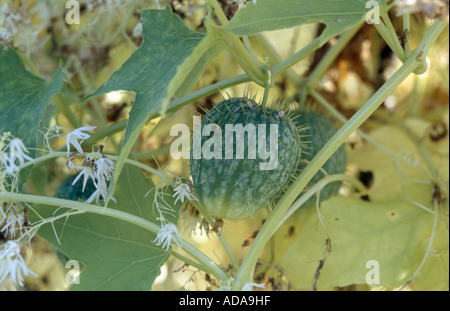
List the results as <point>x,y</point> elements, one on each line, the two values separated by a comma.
<point>235,188</point>
<point>318,130</point>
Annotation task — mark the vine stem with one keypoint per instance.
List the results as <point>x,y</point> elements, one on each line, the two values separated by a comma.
<point>322,101</point>
<point>138,221</point>
<point>331,55</point>
<point>244,57</point>
<point>151,170</point>
<point>416,141</point>
<point>406,28</point>
<point>113,157</point>
<point>316,188</point>
<point>414,60</point>
<point>222,239</point>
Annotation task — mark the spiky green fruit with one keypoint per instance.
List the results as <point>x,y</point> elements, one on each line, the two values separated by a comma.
<point>318,129</point>
<point>236,187</point>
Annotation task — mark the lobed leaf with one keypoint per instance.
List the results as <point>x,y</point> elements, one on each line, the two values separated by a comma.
<point>268,15</point>
<point>117,255</point>
<point>23,97</point>
<point>391,228</point>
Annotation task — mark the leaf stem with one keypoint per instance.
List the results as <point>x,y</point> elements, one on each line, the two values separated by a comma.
<point>143,223</point>
<point>292,60</point>
<point>406,31</point>
<point>316,188</point>
<point>245,57</point>
<point>331,55</point>
<point>113,157</point>
<point>322,101</point>
<point>222,239</point>
<point>245,272</point>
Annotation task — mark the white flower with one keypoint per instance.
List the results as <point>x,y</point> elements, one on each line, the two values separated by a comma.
<point>17,150</point>
<point>167,234</point>
<point>249,286</point>
<point>182,191</point>
<point>87,172</point>
<point>72,138</point>
<point>102,190</point>
<point>13,220</point>
<point>9,166</point>
<point>104,168</point>
<point>12,263</point>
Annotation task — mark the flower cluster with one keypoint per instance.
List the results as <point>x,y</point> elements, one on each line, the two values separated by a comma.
<point>12,264</point>
<point>13,153</point>
<point>167,235</point>
<point>96,166</point>
<point>183,191</point>
<point>15,220</point>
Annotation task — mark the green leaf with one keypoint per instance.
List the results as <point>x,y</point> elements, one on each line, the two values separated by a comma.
<point>117,255</point>
<point>22,99</point>
<point>390,232</point>
<point>391,228</point>
<point>168,63</point>
<point>337,15</point>
<point>167,52</point>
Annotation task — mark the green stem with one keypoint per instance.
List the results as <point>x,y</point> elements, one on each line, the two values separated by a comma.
<point>245,272</point>
<point>122,25</point>
<point>428,249</point>
<point>316,188</point>
<point>267,85</point>
<point>324,103</point>
<point>173,106</point>
<point>138,221</point>
<point>397,47</point>
<point>406,30</point>
<point>292,60</point>
<point>104,132</point>
<point>432,169</point>
<point>331,55</point>
<point>273,56</point>
<point>64,108</point>
<point>151,154</point>
<point>222,239</point>
<point>244,57</point>
<point>248,46</point>
<point>52,155</point>
<point>190,262</point>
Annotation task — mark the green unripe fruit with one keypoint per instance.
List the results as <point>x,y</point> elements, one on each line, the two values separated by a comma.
<point>318,130</point>
<point>236,187</point>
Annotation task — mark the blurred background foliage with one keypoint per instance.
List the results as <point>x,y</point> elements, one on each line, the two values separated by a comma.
<point>110,30</point>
